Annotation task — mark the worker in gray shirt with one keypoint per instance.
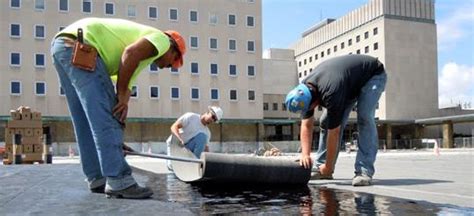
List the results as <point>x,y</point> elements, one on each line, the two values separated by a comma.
<point>338,85</point>
<point>192,130</point>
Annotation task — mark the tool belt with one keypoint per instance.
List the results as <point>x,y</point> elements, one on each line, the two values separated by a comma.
<point>84,56</point>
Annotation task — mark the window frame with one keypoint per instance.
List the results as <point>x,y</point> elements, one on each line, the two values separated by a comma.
<point>210,69</point>
<point>36,88</point>
<point>254,95</point>
<point>91,5</point>
<point>228,45</point>
<point>35,56</point>
<point>134,11</point>
<point>254,48</point>
<point>137,91</point>
<point>169,15</point>
<point>236,71</point>
<point>190,16</point>
<point>113,9</point>
<point>19,59</point>
<point>39,9</point>
<point>254,71</point>
<point>236,95</point>
<point>19,87</point>
<point>210,44</point>
<point>191,93</point>
<point>210,94</point>
<point>19,4</point>
<point>19,30</point>
<point>228,20</point>
<point>171,93</point>
<point>35,32</point>
<point>158,92</point>
<point>191,68</point>
<point>190,42</point>
<point>247,21</point>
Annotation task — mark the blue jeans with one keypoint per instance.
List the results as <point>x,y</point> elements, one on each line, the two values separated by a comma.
<point>91,98</point>
<point>368,138</point>
<point>197,144</point>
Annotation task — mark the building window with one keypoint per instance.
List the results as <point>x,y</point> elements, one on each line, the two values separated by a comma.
<point>153,68</point>
<point>275,106</point>
<point>250,21</point>
<point>15,30</point>
<point>376,46</point>
<point>173,14</point>
<point>15,3</point>
<point>233,95</point>
<point>39,4</point>
<point>212,19</point>
<point>39,60</point>
<point>231,19</point>
<point>299,63</point>
<point>134,92</point>
<point>154,92</point>
<point>305,73</point>
<point>233,70</point>
<point>15,87</point>
<point>366,35</point>
<point>251,46</point>
<point>376,31</point>
<point>357,38</point>
<point>132,11</point>
<point>86,6</point>
<point>193,16</point>
<point>213,43</point>
<point>328,52</point>
<point>194,94</point>
<point>174,70</point>
<point>174,93</point>
<point>316,57</point>
<point>39,31</point>
<point>366,49</point>
<point>109,8</point>
<point>299,75</point>
<point>194,68</point>
<point>152,12</point>
<point>283,106</point>
<point>310,59</point>
<point>342,45</point>
<point>358,51</point>
<point>40,88</point>
<point>251,70</point>
<point>349,42</point>
<point>251,95</point>
<point>15,59</point>
<point>214,94</point>
<point>214,69</point>
<point>322,54</point>
<point>63,5</point>
<point>232,45</point>
<point>304,61</point>
<point>335,48</point>
<point>194,42</point>
<point>265,106</point>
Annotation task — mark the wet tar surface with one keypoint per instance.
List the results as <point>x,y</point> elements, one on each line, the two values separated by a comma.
<point>238,198</point>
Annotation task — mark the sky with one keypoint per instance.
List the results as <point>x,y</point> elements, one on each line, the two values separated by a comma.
<point>285,20</point>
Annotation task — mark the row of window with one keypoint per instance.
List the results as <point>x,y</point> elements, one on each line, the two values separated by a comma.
<point>274,106</point>
<point>40,60</point>
<point>154,92</point>
<point>366,51</point>
<point>39,33</point>
<point>153,13</point>
<point>342,46</point>
<point>214,44</point>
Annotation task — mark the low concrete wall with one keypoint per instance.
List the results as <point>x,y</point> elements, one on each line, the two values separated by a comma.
<point>65,148</point>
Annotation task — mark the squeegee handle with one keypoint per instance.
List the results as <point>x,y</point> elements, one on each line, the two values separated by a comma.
<point>160,156</point>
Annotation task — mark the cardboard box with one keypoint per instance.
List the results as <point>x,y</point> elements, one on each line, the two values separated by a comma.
<point>38,132</point>
<point>34,157</point>
<point>15,115</point>
<point>26,116</point>
<point>24,109</point>
<point>38,148</point>
<point>27,148</point>
<point>24,124</point>
<point>36,116</point>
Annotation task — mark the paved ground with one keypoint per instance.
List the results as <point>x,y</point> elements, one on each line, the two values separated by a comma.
<point>58,189</point>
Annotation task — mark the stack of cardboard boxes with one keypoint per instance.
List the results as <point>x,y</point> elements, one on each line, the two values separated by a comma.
<point>24,138</point>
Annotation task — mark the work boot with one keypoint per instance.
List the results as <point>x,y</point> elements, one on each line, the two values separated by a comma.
<point>97,185</point>
<point>361,180</point>
<point>316,175</point>
<point>133,192</point>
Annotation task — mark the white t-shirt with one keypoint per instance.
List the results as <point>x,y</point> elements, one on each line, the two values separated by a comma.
<point>192,126</point>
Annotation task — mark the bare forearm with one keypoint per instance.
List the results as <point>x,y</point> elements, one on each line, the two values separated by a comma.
<point>127,67</point>
<point>306,136</point>
<point>332,142</point>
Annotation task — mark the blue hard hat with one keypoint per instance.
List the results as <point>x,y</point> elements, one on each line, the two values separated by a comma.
<point>298,99</point>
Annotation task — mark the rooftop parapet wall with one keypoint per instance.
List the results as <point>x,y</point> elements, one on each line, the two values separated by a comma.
<point>420,10</point>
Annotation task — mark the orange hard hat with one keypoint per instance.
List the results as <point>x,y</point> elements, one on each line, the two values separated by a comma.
<point>180,45</point>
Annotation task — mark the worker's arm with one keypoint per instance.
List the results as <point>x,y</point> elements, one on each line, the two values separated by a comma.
<point>131,57</point>
<point>175,130</point>
<point>306,135</point>
<point>332,142</point>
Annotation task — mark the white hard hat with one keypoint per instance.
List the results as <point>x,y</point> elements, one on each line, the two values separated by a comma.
<point>217,111</point>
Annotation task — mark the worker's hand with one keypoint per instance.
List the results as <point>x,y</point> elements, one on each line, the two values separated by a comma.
<point>325,170</point>
<point>306,161</point>
<point>121,108</point>
<point>206,148</point>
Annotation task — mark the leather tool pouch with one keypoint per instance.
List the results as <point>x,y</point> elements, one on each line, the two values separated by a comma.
<point>84,56</point>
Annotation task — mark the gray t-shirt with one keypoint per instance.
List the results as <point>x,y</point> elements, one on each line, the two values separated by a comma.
<point>338,82</point>
<point>192,126</point>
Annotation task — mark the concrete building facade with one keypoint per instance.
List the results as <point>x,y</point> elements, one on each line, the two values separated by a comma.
<point>222,66</point>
